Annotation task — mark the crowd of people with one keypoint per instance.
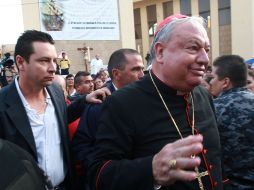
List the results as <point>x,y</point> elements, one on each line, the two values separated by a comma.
<point>180,125</point>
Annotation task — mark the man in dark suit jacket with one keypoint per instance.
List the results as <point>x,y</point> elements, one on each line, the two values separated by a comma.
<point>125,66</point>
<point>33,113</point>
<point>23,173</point>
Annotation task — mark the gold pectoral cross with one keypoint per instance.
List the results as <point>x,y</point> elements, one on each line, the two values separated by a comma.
<point>199,176</point>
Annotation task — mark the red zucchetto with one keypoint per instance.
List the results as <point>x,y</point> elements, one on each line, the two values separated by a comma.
<point>168,20</point>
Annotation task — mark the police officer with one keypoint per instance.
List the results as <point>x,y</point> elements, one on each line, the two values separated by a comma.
<point>234,110</point>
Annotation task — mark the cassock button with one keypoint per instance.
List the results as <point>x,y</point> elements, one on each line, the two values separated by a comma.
<point>215,183</point>
<point>205,151</point>
<point>210,167</point>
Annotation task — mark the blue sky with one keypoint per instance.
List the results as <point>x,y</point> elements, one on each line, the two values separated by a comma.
<point>11,21</point>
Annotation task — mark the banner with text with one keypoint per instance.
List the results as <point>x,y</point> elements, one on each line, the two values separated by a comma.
<point>80,19</point>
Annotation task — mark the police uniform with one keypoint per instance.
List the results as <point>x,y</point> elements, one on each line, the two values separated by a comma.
<point>235,115</point>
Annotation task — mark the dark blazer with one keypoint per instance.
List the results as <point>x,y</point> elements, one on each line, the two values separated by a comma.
<point>24,172</point>
<point>84,138</point>
<point>15,126</point>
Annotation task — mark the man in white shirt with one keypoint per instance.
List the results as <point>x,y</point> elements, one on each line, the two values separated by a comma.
<point>96,64</point>
<point>33,112</point>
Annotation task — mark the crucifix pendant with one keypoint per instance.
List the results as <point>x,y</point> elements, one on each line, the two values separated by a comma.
<point>199,176</point>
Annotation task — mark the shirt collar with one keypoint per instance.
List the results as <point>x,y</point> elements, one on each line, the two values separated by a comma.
<point>114,86</point>
<point>23,99</point>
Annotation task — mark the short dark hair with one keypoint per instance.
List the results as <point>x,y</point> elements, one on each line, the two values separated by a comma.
<point>77,78</point>
<point>69,76</point>
<point>233,67</point>
<point>24,46</point>
<point>118,60</point>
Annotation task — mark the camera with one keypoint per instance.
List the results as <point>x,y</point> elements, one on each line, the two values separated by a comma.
<point>7,70</point>
<point>7,61</point>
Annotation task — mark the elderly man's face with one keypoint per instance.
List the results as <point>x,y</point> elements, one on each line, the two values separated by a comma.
<point>184,58</point>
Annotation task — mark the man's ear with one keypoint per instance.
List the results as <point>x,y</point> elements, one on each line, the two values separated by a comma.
<point>115,73</point>
<point>20,62</point>
<point>226,84</point>
<point>158,49</point>
<point>77,87</point>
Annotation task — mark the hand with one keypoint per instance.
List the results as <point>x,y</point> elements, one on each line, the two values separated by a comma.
<point>98,96</point>
<point>179,151</point>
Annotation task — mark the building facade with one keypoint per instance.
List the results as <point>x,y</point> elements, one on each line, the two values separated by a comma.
<point>230,23</point>
<point>231,27</point>
<point>74,48</point>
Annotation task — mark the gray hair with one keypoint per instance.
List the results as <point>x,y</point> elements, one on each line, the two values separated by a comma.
<point>165,33</point>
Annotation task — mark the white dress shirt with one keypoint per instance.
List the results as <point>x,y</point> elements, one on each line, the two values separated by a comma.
<point>47,139</point>
<point>95,66</point>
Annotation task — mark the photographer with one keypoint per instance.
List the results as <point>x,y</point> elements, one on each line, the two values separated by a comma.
<point>7,70</point>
